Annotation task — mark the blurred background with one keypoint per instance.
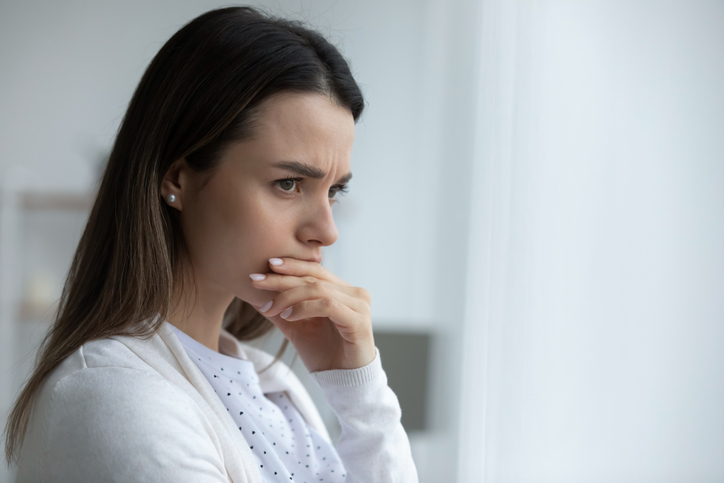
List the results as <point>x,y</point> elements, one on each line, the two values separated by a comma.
<point>537,210</point>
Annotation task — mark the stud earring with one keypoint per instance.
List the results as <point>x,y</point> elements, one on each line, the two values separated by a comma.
<point>171,198</point>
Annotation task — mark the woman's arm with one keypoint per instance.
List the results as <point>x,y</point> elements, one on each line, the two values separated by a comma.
<point>329,323</point>
<point>373,445</point>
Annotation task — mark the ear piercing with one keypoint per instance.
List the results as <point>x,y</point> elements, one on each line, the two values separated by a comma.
<point>171,198</point>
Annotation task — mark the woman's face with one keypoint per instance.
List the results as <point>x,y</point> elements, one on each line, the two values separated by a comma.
<point>248,213</point>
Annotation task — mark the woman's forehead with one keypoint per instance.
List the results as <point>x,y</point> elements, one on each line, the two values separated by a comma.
<point>305,115</point>
<point>303,128</point>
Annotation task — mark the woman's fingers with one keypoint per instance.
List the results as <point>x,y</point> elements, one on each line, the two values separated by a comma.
<point>319,290</point>
<point>350,324</point>
<point>300,268</point>
<point>280,283</point>
<point>325,318</point>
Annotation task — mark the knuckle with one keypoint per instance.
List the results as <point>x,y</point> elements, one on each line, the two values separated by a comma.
<point>363,294</point>
<point>319,287</point>
<point>328,302</point>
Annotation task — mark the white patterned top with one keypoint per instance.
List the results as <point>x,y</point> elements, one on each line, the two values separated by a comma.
<point>285,447</point>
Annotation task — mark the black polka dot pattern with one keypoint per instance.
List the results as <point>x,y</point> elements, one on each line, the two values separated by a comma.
<point>285,448</point>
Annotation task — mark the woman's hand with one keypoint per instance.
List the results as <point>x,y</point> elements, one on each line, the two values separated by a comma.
<point>327,320</point>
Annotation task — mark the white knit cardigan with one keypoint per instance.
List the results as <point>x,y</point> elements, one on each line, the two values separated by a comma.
<point>123,408</point>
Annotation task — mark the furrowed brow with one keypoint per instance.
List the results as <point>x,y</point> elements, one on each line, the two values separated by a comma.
<point>344,179</point>
<point>300,168</point>
<point>307,170</point>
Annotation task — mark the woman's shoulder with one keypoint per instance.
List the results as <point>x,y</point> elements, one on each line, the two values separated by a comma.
<point>103,378</point>
<point>104,406</point>
<point>100,363</point>
<point>113,372</point>
<point>107,357</point>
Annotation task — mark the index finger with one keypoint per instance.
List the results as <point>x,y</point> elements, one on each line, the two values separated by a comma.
<point>301,268</point>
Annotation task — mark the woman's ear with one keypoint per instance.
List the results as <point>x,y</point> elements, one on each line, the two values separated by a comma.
<point>175,183</point>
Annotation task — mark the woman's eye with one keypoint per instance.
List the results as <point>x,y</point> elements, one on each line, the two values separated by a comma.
<point>288,184</point>
<point>334,190</point>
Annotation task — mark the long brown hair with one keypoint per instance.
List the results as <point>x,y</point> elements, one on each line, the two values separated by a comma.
<point>197,96</point>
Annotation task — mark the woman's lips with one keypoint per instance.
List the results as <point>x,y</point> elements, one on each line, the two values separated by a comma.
<point>312,259</point>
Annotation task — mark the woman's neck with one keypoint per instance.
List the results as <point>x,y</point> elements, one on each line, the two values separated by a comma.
<point>198,310</point>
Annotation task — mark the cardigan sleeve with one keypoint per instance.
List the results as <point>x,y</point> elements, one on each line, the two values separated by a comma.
<point>373,445</point>
<point>121,424</point>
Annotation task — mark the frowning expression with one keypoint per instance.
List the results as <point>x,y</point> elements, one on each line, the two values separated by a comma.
<point>272,194</point>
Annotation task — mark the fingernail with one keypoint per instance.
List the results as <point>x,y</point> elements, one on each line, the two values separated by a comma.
<point>257,276</point>
<point>276,261</point>
<point>266,306</point>
<point>286,313</point>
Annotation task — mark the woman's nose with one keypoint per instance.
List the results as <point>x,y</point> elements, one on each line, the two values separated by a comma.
<point>318,226</point>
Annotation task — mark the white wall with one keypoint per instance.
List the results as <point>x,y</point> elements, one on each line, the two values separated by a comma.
<point>597,281</point>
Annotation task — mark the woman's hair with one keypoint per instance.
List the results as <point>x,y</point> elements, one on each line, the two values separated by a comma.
<point>199,95</point>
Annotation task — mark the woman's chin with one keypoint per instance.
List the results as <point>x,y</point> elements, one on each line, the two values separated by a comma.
<point>256,300</point>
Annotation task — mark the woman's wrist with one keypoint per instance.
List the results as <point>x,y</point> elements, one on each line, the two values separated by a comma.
<point>350,377</point>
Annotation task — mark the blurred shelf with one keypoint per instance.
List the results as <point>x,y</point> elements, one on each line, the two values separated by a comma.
<point>30,311</point>
<point>58,201</point>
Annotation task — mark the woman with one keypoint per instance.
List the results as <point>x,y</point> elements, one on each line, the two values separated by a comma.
<point>207,231</point>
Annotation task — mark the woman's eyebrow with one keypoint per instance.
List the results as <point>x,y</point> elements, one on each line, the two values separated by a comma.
<point>307,170</point>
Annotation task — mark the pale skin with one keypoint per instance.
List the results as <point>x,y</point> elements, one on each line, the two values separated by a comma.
<point>249,217</point>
